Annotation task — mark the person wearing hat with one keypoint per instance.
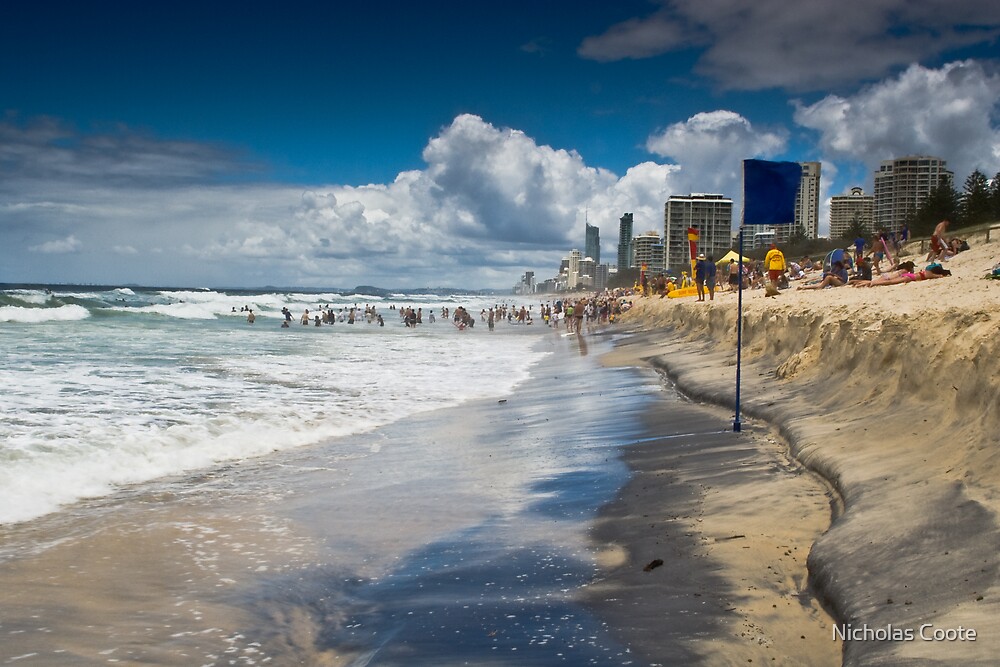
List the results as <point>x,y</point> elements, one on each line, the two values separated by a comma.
<point>774,264</point>
<point>700,273</point>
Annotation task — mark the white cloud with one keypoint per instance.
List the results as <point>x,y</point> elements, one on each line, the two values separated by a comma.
<point>58,246</point>
<point>710,148</point>
<point>947,112</point>
<point>490,203</point>
<point>801,46</point>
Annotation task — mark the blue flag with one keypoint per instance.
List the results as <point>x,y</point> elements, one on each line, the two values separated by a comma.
<point>769,192</point>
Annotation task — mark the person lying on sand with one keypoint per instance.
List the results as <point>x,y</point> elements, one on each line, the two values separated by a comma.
<point>932,272</point>
<point>835,277</point>
<point>896,272</point>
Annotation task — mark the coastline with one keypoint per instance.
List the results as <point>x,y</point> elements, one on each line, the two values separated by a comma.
<point>466,542</point>
<point>888,394</point>
<point>731,517</point>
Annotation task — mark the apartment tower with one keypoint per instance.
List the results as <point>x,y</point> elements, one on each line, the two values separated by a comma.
<point>902,185</point>
<point>844,208</point>
<point>710,214</point>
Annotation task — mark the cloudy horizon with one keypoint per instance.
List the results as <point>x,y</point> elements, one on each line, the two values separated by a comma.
<point>474,190</point>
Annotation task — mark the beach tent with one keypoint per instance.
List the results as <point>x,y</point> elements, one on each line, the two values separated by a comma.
<point>835,255</point>
<point>732,254</point>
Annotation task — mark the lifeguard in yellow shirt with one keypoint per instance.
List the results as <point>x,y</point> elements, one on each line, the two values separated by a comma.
<point>774,264</point>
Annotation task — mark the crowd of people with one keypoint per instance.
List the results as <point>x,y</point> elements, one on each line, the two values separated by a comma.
<point>574,311</point>
<point>869,262</point>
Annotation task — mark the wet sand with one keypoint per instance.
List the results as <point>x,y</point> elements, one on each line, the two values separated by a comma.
<point>471,535</point>
<point>733,519</point>
<point>457,536</point>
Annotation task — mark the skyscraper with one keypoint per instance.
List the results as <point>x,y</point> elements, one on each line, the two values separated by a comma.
<point>625,242</point>
<point>807,203</point>
<point>711,215</point>
<point>573,270</point>
<point>806,207</point>
<point>592,248</point>
<point>902,185</point>
<point>649,252</point>
<point>843,209</point>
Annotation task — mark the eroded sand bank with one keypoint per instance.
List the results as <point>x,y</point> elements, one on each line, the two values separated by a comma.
<point>889,393</point>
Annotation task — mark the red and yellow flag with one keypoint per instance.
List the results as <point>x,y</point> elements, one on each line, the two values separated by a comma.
<point>692,244</point>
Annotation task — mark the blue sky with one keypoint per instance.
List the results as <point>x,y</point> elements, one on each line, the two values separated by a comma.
<point>445,143</point>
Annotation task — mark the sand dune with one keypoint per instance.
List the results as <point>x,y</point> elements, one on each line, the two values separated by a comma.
<point>891,394</point>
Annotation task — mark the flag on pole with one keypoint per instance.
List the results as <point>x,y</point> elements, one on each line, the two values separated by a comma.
<point>769,192</point>
<point>693,236</point>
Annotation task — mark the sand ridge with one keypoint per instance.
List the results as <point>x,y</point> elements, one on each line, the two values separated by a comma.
<point>890,394</point>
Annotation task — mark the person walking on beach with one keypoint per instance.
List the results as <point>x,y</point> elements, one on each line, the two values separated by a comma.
<point>774,264</point>
<point>859,248</point>
<point>699,277</point>
<point>710,272</point>
<point>939,245</point>
<point>734,275</point>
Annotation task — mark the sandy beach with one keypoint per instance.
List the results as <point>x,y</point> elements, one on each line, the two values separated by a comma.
<point>604,513</point>
<point>888,394</point>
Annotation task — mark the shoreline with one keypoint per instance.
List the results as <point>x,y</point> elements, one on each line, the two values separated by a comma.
<point>888,393</point>
<point>455,536</point>
<point>732,519</point>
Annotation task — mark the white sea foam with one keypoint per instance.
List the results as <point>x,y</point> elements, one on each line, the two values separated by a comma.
<point>67,313</point>
<point>170,387</point>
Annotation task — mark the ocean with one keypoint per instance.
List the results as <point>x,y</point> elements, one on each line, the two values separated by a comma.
<point>337,494</point>
<point>113,387</point>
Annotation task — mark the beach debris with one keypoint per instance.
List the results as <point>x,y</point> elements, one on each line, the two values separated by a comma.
<point>653,564</point>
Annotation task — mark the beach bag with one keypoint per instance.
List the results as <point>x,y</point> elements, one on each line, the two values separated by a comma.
<point>995,274</point>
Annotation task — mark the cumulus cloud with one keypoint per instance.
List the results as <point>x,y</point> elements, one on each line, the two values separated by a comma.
<point>58,246</point>
<point>802,46</point>
<point>709,148</point>
<point>490,203</point>
<point>949,112</point>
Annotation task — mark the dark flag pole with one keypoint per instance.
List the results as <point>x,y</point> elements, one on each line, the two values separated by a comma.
<point>769,193</point>
<point>739,334</point>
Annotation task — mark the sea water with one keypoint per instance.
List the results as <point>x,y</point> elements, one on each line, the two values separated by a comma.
<point>113,386</point>
<point>194,489</point>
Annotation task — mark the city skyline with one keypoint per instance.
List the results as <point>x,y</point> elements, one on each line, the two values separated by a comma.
<point>325,144</point>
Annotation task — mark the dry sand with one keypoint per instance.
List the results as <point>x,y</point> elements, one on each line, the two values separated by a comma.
<point>889,394</point>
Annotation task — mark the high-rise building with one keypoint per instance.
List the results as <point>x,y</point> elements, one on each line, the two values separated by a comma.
<point>573,269</point>
<point>902,185</point>
<point>806,208</point>
<point>844,208</point>
<point>601,274</point>
<point>648,251</point>
<point>592,248</point>
<point>711,215</point>
<point>585,273</point>
<point>807,202</point>
<point>625,242</point>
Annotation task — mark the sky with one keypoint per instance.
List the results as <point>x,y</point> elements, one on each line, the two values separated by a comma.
<point>447,143</point>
